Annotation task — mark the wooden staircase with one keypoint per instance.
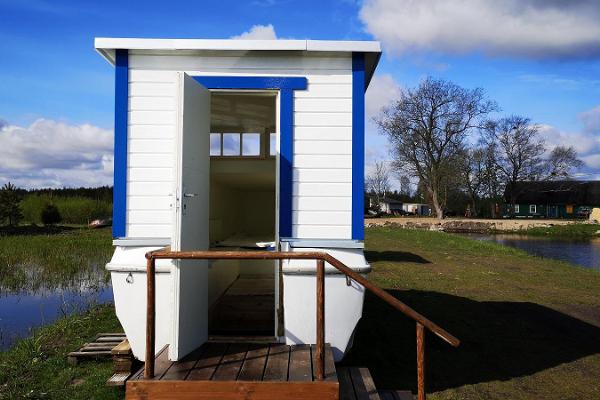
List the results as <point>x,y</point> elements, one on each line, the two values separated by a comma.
<point>204,375</point>
<point>357,384</point>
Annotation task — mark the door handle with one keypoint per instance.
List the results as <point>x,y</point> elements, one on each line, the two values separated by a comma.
<point>190,194</point>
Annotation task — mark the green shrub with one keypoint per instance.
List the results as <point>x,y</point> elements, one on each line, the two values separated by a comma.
<point>73,210</point>
<point>50,215</point>
<point>10,204</point>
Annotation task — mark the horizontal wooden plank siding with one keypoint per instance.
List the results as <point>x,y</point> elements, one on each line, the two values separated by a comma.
<point>322,137</point>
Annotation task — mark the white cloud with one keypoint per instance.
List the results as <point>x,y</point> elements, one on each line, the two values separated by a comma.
<point>382,90</point>
<point>50,153</point>
<point>528,28</point>
<point>586,142</point>
<point>258,32</point>
<point>582,142</point>
<point>591,121</point>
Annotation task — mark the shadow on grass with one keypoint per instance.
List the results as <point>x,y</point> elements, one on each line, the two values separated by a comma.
<point>499,340</point>
<point>34,230</point>
<point>396,256</point>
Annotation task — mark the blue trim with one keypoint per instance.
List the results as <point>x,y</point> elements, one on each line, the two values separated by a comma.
<point>252,82</point>
<point>358,146</point>
<point>120,157</point>
<point>286,86</point>
<point>286,161</point>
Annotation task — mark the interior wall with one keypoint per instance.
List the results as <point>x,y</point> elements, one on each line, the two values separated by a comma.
<point>242,189</point>
<point>224,212</point>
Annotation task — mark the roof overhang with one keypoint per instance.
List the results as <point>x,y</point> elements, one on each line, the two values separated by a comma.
<point>107,47</point>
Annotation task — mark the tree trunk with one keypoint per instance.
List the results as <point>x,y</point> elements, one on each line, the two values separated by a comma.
<point>473,207</point>
<point>439,211</point>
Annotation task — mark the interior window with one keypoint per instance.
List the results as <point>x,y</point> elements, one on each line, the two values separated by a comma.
<point>251,144</point>
<point>215,144</point>
<point>272,144</point>
<point>231,144</point>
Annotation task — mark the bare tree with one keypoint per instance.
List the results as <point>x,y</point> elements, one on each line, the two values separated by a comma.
<point>473,174</point>
<point>378,182</point>
<point>427,127</point>
<point>561,162</point>
<point>404,185</point>
<point>518,149</point>
<point>492,185</point>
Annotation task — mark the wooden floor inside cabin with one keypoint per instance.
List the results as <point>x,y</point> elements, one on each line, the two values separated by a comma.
<point>247,308</point>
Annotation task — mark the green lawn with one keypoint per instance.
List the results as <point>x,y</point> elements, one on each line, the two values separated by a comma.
<point>37,367</point>
<point>530,327</point>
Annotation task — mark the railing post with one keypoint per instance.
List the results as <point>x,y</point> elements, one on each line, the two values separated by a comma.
<point>420,362</point>
<point>150,317</point>
<point>320,319</point>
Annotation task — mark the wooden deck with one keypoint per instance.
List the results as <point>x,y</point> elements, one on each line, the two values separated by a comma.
<point>238,371</point>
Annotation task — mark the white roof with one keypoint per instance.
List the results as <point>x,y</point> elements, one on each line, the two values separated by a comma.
<point>372,49</point>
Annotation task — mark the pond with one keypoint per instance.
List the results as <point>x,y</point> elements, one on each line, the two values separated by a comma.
<point>23,310</point>
<point>585,253</point>
<point>43,278</point>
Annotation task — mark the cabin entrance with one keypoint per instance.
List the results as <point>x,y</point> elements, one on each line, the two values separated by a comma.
<point>226,199</point>
<point>242,215</point>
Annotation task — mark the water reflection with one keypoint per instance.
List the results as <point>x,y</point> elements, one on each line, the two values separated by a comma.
<point>585,253</point>
<point>32,295</point>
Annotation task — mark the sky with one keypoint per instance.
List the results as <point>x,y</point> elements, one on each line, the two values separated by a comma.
<point>536,58</point>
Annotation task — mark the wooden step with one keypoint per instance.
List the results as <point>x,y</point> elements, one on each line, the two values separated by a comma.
<point>396,395</point>
<point>118,379</point>
<point>357,384</point>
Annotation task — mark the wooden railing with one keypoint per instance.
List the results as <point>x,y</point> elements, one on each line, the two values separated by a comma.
<point>321,258</point>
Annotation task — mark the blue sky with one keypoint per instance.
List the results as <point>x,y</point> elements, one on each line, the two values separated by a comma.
<point>538,58</point>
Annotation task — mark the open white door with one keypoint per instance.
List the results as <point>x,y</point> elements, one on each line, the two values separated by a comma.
<point>190,286</point>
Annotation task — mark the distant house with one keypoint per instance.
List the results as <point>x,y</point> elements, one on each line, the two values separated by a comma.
<point>417,208</point>
<point>387,205</point>
<point>391,206</point>
<point>552,199</point>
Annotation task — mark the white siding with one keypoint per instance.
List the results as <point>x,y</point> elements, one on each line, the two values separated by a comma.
<point>322,197</point>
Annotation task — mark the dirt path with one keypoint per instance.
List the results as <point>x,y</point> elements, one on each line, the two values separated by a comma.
<point>468,225</point>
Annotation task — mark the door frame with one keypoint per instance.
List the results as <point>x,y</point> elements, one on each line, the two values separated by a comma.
<point>285,115</point>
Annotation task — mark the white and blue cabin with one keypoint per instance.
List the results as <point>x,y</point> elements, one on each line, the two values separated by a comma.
<point>238,144</point>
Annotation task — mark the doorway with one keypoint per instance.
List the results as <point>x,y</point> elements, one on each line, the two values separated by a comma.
<point>243,212</point>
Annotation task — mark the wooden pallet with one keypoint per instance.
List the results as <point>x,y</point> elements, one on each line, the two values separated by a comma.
<point>100,348</point>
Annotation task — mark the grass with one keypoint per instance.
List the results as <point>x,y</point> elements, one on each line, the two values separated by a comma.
<point>37,368</point>
<point>48,259</point>
<point>30,262</point>
<point>571,231</point>
<point>529,326</point>
<point>72,209</point>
